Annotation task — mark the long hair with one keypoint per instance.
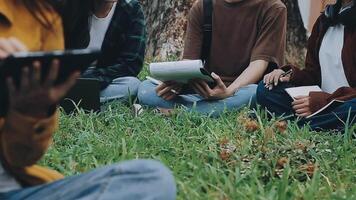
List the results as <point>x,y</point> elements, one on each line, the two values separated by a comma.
<point>75,15</point>
<point>39,8</point>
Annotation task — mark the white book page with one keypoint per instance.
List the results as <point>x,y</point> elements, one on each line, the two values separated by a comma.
<point>179,71</point>
<point>302,91</point>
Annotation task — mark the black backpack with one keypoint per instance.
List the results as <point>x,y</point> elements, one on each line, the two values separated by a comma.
<point>207,30</point>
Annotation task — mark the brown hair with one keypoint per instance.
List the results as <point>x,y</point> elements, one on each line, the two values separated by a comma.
<point>38,9</point>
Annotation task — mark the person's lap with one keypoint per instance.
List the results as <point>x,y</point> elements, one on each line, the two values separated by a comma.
<point>121,89</point>
<point>194,102</point>
<point>279,102</point>
<point>140,179</point>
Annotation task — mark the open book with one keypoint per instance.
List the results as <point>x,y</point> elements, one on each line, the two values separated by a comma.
<point>305,90</point>
<point>180,71</point>
<point>302,91</point>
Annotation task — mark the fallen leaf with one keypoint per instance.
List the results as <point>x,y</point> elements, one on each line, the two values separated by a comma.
<point>300,146</point>
<point>251,125</point>
<point>225,155</point>
<point>282,162</point>
<point>309,169</point>
<point>226,148</point>
<point>281,126</point>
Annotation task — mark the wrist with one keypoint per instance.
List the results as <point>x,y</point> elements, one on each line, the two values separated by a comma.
<point>231,91</point>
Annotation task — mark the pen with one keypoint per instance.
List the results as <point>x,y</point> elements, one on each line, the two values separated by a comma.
<point>158,82</point>
<point>286,73</point>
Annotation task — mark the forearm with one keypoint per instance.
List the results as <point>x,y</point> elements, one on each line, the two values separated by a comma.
<point>253,73</point>
<point>24,139</point>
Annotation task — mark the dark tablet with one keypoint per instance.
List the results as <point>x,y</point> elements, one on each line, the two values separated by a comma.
<point>70,61</point>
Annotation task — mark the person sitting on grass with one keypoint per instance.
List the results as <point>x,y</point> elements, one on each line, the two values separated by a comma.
<point>28,121</point>
<point>330,64</point>
<point>118,29</point>
<point>248,39</point>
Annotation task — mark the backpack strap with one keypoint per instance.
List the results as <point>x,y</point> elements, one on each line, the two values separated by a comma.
<point>207,30</point>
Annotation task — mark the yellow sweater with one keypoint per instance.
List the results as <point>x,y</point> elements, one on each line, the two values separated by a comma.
<point>24,140</point>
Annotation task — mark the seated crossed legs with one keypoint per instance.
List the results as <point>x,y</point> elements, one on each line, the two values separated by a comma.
<point>194,102</point>
<point>279,102</point>
<point>330,64</point>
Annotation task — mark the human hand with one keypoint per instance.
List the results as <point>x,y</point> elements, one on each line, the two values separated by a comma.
<point>220,91</point>
<point>169,90</point>
<point>301,105</point>
<point>10,46</point>
<point>272,79</point>
<point>34,97</point>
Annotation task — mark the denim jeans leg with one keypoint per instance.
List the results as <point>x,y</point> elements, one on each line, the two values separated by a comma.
<point>335,120</point>
<point>121,89</point>
<point>147,96</point>
<point>245,96</point>
<point>277,100</point>
<point>130,180</point>
<point>195,103</point>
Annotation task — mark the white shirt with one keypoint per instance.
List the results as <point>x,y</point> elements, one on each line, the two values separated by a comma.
<point>7,182</point>
<point>332,70</point>
<point>98,29</point>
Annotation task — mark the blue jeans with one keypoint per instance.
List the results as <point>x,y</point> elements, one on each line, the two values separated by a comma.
<point>194,102</point>
<point>121,89</point>
<point>131,180</point>
<point>279,102</point>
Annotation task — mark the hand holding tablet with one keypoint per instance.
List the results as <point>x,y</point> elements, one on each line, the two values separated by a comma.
<point>32,82</point>
<point>34,97</point>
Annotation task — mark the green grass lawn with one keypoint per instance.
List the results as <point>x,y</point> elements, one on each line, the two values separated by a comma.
<point>213,158</point>
<point>221,159</point>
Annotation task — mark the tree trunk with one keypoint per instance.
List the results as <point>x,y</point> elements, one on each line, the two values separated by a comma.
<point>167,20</point>
<point>296,34</point>
<point>166,24</point>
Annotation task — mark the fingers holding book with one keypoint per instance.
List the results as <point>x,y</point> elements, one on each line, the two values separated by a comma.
<point>301,106</point>
<point>168,90</point>
<point>220,91</point>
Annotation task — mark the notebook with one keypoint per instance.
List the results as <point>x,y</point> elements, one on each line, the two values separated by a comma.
<point>180,71</point>
<point>302,91</point>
